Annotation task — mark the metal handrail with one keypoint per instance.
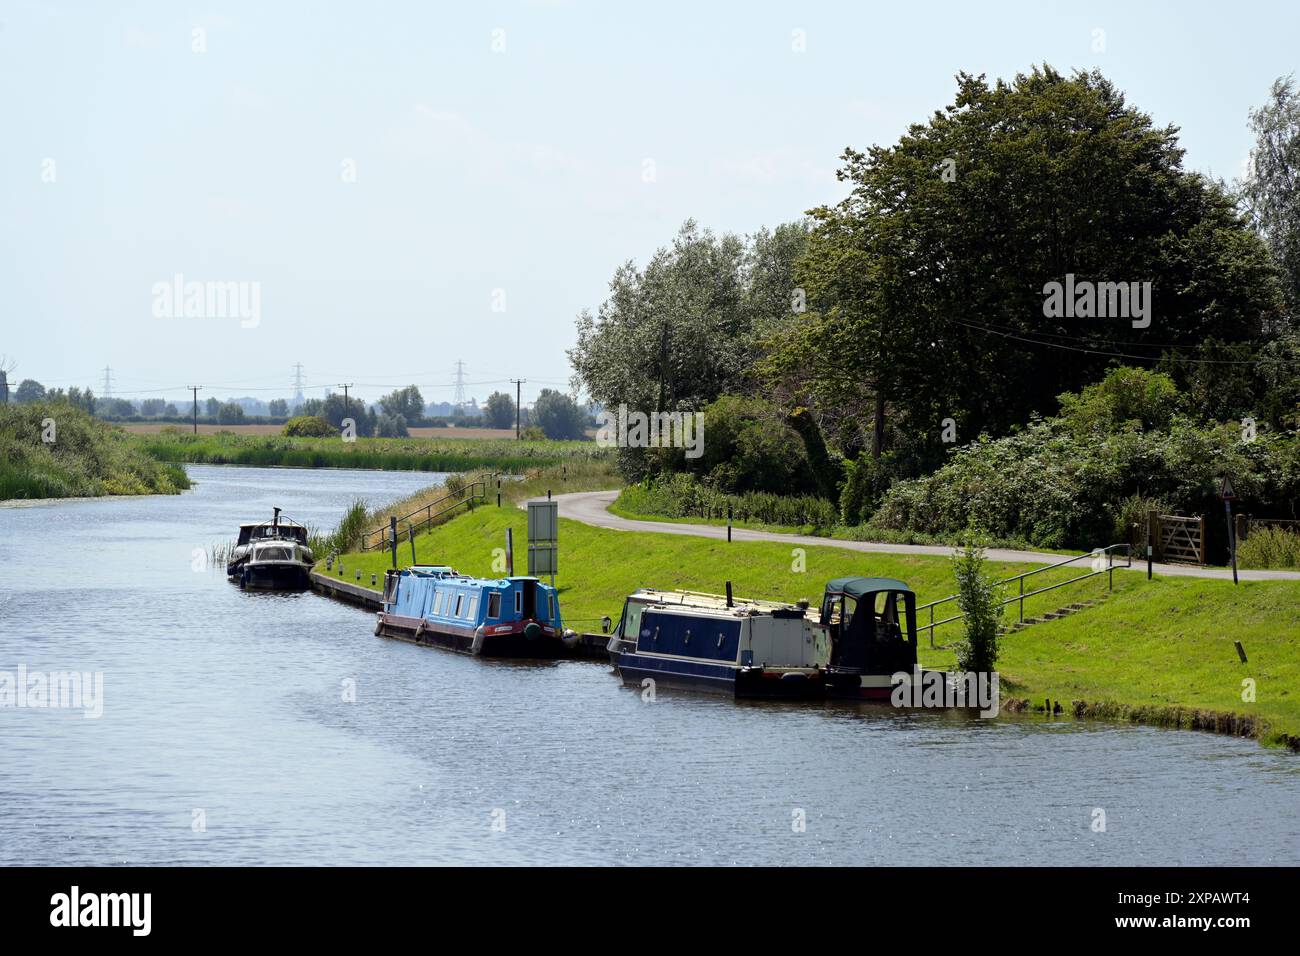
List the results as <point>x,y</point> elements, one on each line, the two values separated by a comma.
<point>1108,552</point>
<point>475,490</point>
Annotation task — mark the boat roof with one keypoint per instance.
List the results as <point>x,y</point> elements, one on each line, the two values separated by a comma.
<point>856,587</point>
<point>701,599</point>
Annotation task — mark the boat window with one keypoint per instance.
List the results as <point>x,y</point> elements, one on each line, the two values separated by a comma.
<point>519,602</point>
<point>472,611</point>
<point>494,605</point>
<point>459,599</point>
<point>630,627</point>
<point>550,607</point>
<point>437,602</point>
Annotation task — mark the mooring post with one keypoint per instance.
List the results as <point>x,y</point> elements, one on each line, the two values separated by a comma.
<point>1022,599</point>
<point>1241,651</point>
<point>728,522</point>
<point>498,492</point>
<point>392,537</point>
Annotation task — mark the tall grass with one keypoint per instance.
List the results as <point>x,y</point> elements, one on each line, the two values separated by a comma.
<point>56,450</point>
<point>1269,548</point>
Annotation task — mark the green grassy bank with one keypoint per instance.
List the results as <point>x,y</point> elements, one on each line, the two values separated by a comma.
<point>389,454</point>
<point>1158,652</point>
<point>55,450</point>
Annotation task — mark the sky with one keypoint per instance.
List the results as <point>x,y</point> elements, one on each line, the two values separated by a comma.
<point>399,186</point>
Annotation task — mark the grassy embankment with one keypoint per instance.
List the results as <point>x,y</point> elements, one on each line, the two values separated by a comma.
<point>55,450</point>
<point>1158,652</point>
<point>389,454</point>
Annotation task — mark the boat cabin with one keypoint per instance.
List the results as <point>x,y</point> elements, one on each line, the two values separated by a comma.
<point>871,623</point>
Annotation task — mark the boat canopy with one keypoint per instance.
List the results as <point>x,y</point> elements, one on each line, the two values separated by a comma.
<point>856,587</point>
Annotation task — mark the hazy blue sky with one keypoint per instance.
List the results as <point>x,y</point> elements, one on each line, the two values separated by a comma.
<point>479,170</point>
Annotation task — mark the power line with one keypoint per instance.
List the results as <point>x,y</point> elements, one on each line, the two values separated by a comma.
<point>1126,355</point>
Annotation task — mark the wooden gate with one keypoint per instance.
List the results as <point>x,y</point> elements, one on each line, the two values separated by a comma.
<point>1181,539</point>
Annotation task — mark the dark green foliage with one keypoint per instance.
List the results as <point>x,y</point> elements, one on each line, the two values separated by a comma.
<point>748,446</point>
<point>559,416</point>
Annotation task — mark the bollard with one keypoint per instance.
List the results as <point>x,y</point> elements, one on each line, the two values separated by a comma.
<point>374,578</point>
<point>358,574</point>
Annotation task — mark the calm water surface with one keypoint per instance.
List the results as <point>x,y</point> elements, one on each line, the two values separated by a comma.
<point>231,704</point>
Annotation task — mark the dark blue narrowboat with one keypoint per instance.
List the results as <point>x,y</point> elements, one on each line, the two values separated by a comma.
<point>863,633</point>
<point>506,617</point>
<point>720,644</point>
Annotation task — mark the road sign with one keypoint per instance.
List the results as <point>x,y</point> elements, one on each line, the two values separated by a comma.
<point>543,538</point>
<point>543,559</point>
<point>1225,490</point>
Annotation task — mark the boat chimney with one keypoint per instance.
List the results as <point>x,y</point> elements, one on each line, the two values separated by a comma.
<point>275,523</point>
<point>510,553</point>
<point>730,602</point>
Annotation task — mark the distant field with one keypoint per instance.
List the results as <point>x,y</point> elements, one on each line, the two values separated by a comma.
<point>154,428</point>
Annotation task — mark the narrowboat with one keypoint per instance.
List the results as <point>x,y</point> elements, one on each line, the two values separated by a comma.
<point>720,644</point>
<point>271,555</point>
<point>851,646</point>
<point>506,617</point>
<point>871,626</point>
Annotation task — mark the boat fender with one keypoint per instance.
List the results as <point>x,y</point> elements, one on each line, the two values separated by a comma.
<point>570,638</point>
<point>379,624</point>
<point>419,630</point>
<point>532,630</point>
<point>477,647</point>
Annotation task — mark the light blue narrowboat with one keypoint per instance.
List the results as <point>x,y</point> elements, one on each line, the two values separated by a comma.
<point>505,617</point>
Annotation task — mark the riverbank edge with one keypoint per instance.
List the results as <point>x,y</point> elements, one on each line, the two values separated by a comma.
<point>1170,716</point>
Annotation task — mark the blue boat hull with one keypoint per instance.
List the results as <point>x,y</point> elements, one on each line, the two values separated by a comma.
<point>729,679</point>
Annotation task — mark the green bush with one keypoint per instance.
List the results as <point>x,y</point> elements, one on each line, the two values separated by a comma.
<point>308,426</point>
<point>978,599</point>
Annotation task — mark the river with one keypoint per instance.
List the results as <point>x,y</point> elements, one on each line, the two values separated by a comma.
<point>227,735</point>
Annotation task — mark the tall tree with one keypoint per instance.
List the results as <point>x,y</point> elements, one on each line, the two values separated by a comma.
<point>499,411</point>
<point>1272,186</point>
<point>927,283</point>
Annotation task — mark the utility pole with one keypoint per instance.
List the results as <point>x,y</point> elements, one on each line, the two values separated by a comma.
<point>297,385</point>
<point>518,383</point>
<point>195,390</point>
<point>108,382</point>
<point>345,386</point>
